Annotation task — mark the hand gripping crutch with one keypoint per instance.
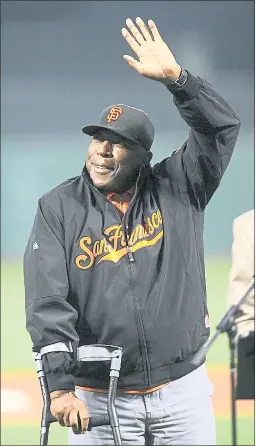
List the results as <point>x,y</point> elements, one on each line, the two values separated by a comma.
<point>96,352</point>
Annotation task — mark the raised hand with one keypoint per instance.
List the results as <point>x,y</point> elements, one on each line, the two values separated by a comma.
<point>155,60</point>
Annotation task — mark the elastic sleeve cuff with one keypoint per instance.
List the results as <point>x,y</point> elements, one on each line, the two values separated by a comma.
<point>59,381</point>
<point>188,91</point>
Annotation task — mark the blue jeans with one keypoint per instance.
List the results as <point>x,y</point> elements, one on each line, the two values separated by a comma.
<point>180,413</point>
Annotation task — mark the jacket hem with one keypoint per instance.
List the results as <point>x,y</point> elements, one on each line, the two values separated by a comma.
<point>160,375</point>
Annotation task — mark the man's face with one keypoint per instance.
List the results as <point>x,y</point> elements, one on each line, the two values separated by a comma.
<point>113,162</point>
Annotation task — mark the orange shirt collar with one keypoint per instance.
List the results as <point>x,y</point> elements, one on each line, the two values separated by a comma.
<point>128,193</point>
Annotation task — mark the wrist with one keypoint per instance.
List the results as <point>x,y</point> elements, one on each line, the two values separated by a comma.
<point>59,393</point>
<point>188,91</point>
<point>171,76</point>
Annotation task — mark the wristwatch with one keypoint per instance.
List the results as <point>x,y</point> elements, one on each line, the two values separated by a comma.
<point>181,79</point>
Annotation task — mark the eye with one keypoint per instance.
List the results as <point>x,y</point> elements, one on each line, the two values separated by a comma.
<point>121,142</point>
<point>97,138</point>
<point>128,144</point>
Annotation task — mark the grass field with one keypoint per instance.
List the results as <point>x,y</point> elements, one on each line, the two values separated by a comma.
<point>21,427</point>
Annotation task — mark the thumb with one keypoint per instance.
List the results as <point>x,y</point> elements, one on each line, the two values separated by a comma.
<point>133,63</point>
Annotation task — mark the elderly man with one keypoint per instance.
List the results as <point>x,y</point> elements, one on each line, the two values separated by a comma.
<point>115,257</point>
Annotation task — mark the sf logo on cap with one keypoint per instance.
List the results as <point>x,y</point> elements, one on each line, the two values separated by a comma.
<point>114,113</point>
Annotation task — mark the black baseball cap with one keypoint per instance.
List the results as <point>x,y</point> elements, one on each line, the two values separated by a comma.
<point>128,122</point>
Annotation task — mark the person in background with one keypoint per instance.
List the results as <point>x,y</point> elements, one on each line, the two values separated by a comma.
<point>242,270</point>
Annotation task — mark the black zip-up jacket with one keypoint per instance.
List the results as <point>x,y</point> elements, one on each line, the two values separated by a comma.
<point>138,283</point>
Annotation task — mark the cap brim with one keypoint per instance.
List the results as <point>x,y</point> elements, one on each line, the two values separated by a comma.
<point>92,129</point>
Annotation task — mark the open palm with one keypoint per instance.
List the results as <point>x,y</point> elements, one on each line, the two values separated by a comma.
<point>155,59</point>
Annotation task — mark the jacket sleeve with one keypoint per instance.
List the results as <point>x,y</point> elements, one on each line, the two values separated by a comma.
<point>49,316</point>
<point>199,164</point>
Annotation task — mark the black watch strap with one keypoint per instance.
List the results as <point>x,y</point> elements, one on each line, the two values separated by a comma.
<point>182,79</point>
<point>188,90</point>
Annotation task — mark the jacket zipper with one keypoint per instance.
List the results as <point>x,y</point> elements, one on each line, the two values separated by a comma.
<point>141,331</point>
<point>131,259</point>
<point>138,316</point>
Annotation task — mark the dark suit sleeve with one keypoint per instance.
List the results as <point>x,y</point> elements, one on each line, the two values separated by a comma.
<point>198,166</point>
<point>49,316</point>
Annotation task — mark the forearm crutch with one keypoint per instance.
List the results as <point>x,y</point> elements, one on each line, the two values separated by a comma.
<point>96,352</point>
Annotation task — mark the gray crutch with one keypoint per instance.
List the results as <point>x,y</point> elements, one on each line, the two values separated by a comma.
<point>95,352</point>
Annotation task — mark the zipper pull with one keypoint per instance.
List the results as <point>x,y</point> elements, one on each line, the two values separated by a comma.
<point>130,255</point>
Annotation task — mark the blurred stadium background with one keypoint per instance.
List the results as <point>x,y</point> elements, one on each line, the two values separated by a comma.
<point>61,65</point>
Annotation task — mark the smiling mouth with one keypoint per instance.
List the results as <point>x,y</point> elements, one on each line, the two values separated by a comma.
<point>103,169</point>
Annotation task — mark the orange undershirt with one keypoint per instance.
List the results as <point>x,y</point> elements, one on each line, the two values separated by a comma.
<point>121,202</point>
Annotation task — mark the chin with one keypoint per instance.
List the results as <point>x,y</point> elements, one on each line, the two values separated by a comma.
<point>105,186</point>
<point>111,184</point>
<point>108,187</point>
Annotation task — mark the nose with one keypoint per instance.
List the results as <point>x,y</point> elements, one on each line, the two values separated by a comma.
<point>105,149</point>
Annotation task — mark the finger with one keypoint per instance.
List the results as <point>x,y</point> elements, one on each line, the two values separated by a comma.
<point>133,63</point>
<point>154,30</point>
<point>135,32</point>
<point>84,419</point>
<point>66,419</point>
<point>60,419</point>
<point>143,29</point>
<point>74,422</point>
<point>131,41</point>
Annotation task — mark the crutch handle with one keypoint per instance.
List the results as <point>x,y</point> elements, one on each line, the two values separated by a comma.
<point>51,418</point>
<point>97,420</point>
